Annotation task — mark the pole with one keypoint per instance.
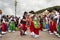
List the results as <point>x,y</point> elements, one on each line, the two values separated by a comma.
<point>15,7</point>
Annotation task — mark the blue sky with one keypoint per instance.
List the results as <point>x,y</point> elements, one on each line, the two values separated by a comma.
<point>26,5</point>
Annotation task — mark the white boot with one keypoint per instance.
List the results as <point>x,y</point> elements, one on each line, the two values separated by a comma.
<point>9,30</point>
<point>36,36</point>
<point>3,32</point>
<point>32,34</point>
<point>59,36</point>
<point>25,32</point>
<point>45,30</point>
<point>51,33</point>
<point>13,31</point>
<point>55,33</point>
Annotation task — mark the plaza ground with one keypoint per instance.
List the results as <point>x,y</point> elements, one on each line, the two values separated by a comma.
<point>16,36</point>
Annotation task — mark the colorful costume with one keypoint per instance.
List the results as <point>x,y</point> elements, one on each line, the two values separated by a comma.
<point>51,26</point>
<point>4,27</point>
<point>47,26</point>
<point>23,26</point>
<point>59,28</point>
<point>55,26</point>
<point>31,27</point>
<point>47,23</point>
<point>44,24</point>
<point>12,26</point>
<point>41,24</point>
<point>36,29</point>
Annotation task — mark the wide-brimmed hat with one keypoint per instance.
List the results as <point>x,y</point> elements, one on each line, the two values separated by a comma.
<point>32,12</point>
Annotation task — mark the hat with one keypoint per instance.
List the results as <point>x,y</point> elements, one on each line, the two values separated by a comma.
<point>31,12</point>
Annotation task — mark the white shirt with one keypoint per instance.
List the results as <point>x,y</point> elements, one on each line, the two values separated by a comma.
<point>0,16</point>
<point>57,16</point>
<point>20,19</point>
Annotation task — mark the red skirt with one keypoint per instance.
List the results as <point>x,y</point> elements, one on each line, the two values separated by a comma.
<point>54,26</point>
<point>41,27</point>
<point>23,27</point>
<point>4,27</point>
<point>36,31</point>
<point>51,27</point>
<point>32,27</point>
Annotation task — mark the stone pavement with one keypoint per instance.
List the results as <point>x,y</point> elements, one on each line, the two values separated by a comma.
<point>16,36</point>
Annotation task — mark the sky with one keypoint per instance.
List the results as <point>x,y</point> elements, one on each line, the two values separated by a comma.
<point>8,6</point>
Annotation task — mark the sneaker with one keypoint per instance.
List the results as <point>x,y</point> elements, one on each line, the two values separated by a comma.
<point>51,33</point>
<point>25,32</point>
<point>55,32</point>
<point>13,31</point>
<point>32,34</point>
<point>9,30</point>
<point>3,32</point>
<point>36,36</point>
<point>59,36</point>
<point>45,30</point>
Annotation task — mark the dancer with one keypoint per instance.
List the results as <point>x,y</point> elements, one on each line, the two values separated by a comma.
<point>36,27</point>
<point>12,25</point>
<point>55,24</point>
<point>47,23</point>
<point>31,25</point>
<point>4,26</point>
<point>23,25</point>
<point>41,23</point>
<point>0,30</point>
<point>59,27</point>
